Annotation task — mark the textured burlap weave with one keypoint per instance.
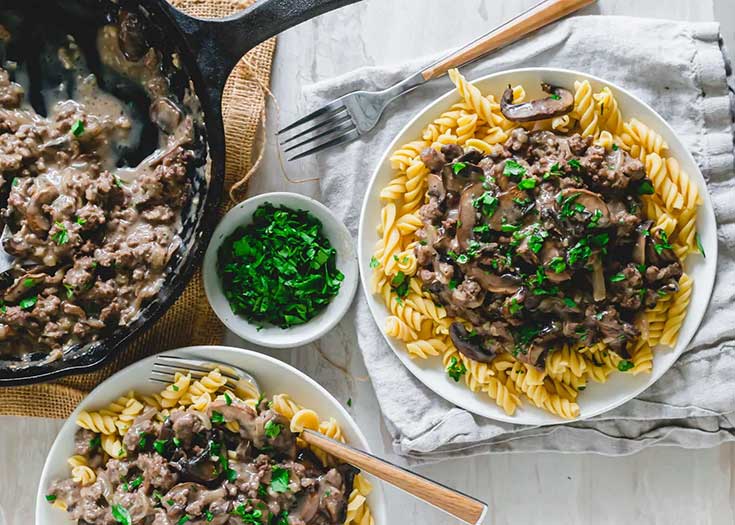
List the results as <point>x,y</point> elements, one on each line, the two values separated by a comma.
<point>190,321</point>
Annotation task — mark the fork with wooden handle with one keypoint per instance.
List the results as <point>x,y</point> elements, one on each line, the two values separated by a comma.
<point>461,506</point>
<point>356,113</point>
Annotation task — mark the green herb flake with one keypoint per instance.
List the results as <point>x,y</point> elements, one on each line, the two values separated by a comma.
<point>248,518</point>
<point>272,429</point>
<point>515,306</point>
<point>231,475</point>
<point>487,203</point>
<point>554,96</point>
<point>61,237</point>
<point>121,515</point>
<point>183,519</point>
<point>664,244</point>
<point>279,479</point>
<point>458,166</point>
<point>118,182</point>
<point>349,402</point>
<point>69,291</point>
<point>50,497</point>
<point>557,264</point>
<point>374,263</point>
<point>28,302</point>
<point>527,184</point>
<point>80,221</point>
<point>143,441</point>
<point>615,147</point>
<point>208,515</point>
<point>15,181</point>
<point>176,441</point>
<point>574,163</point>
<point>137,482</point>
<point>400,283</point>
<point>95,442</point>
<point>217,417</point>
<point>77,128</point>
<point>625,365</point>
<point>699,244</point>
<point>513,170</point>
<point>159,445</point>
<point>228,398</point>
<point>570,302</point>
<point>456,369</point>
<point>508,228</point>
<point>617,278</point>
<point>645,187</point>
<point>28,282</point>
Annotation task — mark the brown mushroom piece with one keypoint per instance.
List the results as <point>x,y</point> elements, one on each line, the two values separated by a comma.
<point>559,102</point>
<point>505,284</point>
<point>639,250</point>
<point>599,291</point>
<point>591,201</point>
<point>552,251</point>
<point>467,214</point>
<point>507,208</point>
<point>469,345</point>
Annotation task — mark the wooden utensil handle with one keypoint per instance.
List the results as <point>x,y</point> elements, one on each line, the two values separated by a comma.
<point>516,28</point>
<point>460,506</point>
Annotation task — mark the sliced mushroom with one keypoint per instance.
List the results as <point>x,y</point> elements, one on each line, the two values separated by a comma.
<point>639,250</point>
<point>505,284</point>
<point>560,102</point>
<point>598,279</point>
<point>467,214</point>
<point>507,208</point>
<point>436,187</point>
<point>433,159</point>
<point>550,251</point>
<point>469,345</point>
<point>591,201</point>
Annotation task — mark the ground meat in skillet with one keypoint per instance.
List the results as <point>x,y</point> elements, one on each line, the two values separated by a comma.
<point>91,239</point>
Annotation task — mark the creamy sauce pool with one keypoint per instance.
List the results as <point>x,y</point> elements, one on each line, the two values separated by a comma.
<point>91,240</point>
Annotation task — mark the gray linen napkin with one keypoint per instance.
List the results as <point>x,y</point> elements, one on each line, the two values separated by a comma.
<point>681,70</point>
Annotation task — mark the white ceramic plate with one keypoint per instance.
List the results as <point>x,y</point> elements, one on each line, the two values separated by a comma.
<point>273,336</point>
<point>597,398</point>
<point>273,376</point>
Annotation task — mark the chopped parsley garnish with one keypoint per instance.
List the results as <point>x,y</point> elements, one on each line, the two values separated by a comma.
<point>515,306</point>
<point>558,264</point>
<point>569,302</point>
<point>374,263</point>
<point>121,514</point>
<point>15,181</point>
<point>77,128</point>
<point>69,291</point>
<point>50,497</point>
<point>453,284</point>
<point>231,475</point>
<point>645,187</point>
<point>272,429</point>
<point>28,282</point>
<point>664,244</point>
<point>699,244</point>
<point>279,479</point>
<point>625,365</point>
<point>554,96</point>
<point>617,278</point>
<point>80,221</point>
<point>527,184</point>
<point>579,252</point>
<point>61,237</point>
<point>280,269</point>
<point>248,518</point>
<point>159,445</point>
<point>536,239</point>
<point>228,398</point>
<point>641,267</point>
<point>175,388</point>
<point>458,166</point>
<point>137,482</point>
<point>176,441</point>
<point>487,203</point>
<point>143,441</point>
<point>208,515</point>
<point>596,216</point>
<point>118,182</point>
<point>183,519</point>
<point>600,240</point>
<point>95,442</point>
<point>554,171</point>
<point>574,163</point>
<point>349,402</point>
<point>28,302</point>
<point>217,417</point>
<point>513,170</point>
<point>568,205</point>
<point>456,369</point>
<point>508,228</point>
<point>400,283</point>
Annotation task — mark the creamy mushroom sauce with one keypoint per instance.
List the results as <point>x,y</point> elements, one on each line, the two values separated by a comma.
<point>91,235</point>
<point>180,471</point>
<point>542,242</point>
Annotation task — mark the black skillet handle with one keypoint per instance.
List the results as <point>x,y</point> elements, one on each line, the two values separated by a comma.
<point>219,44</point>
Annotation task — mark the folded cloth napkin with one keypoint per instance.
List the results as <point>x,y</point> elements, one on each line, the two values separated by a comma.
<point>682,71</point>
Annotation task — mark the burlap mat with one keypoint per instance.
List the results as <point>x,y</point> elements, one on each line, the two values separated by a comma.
<point>190,321</point>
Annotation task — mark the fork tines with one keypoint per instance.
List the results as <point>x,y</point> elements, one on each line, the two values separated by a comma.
<point>326,127</point>
<point>165,368</point>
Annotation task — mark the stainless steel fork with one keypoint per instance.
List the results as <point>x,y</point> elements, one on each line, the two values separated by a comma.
<point>356,113</point>
<point>240,381</point>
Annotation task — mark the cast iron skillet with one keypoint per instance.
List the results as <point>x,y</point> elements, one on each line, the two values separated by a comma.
<point>208,50</point>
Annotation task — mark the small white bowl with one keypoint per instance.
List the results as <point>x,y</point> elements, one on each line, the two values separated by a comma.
<point>273,336</point>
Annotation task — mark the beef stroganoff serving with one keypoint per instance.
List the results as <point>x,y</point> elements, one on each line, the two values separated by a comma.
<point>199,453</point>
<point>533,246</point>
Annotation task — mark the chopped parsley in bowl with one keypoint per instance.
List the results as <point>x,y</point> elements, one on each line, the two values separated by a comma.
<point>280,270</point>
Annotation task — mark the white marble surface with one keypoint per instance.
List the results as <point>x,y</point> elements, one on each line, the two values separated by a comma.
<point>662,485</point>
